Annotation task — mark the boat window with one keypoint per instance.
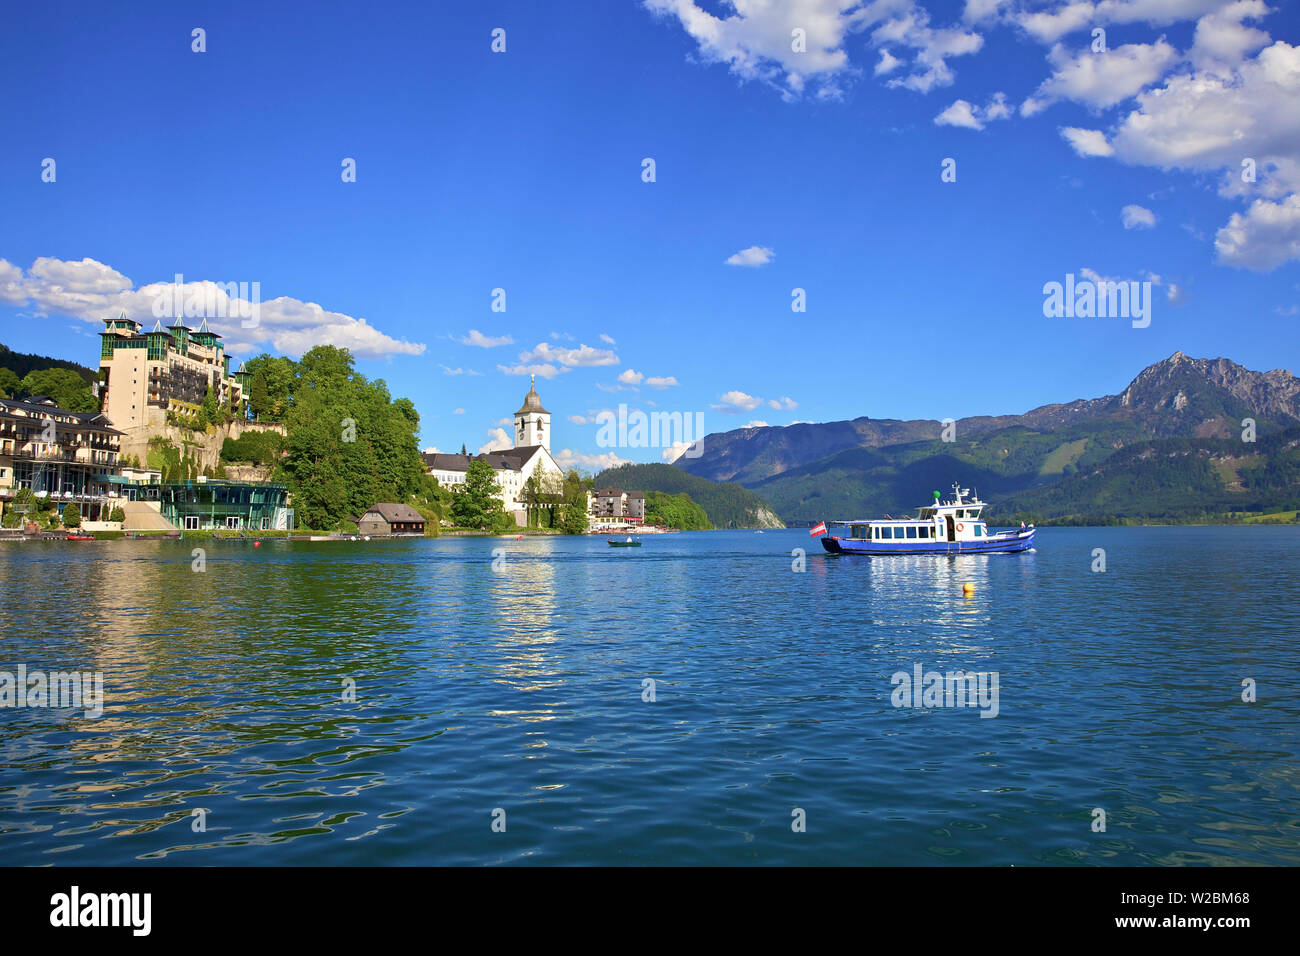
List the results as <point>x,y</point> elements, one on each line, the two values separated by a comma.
<point>979,531</point>
<point>911,531</point>
<point>925,531</point>
<point>887,532</point>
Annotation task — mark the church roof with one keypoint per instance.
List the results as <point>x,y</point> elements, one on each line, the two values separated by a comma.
<point>532,403</point>
<point>507,459</point>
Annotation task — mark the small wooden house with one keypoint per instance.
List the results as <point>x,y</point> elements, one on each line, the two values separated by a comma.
<point>385,518</point>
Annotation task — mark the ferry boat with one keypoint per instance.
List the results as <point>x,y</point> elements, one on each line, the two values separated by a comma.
<point>945,527</point>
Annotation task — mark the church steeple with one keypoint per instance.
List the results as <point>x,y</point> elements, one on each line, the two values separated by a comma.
<point>532,421</point>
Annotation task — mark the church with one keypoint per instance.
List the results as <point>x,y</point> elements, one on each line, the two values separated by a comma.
<point>531,455</point>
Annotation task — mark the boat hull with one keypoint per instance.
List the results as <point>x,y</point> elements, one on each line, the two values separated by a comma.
<point>996,544</point>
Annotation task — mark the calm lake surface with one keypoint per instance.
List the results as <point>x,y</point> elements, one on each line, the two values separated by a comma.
<point>521,688</point>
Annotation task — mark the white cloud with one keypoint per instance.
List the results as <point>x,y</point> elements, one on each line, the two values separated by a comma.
<point>977,11</point>
<point>737,401</point>
<point>676,450</point>
<point>909,25</point>
<point>432,450</point>
<point>1222,40</point>
<point>584,356</point>
<point>630,377</point>
<point>1100,80</point>
<point>887,63</point>
<point>1137,217</point>
<point>459,411</point>
<point>1049,25</point>
<point>92,291</point>
<point>665,381</point>
<point>607,339</point>
<point>1087,142</point>
<point>544,371</point>
<point>11,284</point>
<point>960,113</point>
<point>753,256</point>
<point>787,404</point>
<point>755,41</point>
<point>756,423</point>
<point>497,441</point>
<point>1264,237</point>
<point>478,339</point>
<point>1201,121</point>
<point>1219,120</point>
<point>568,458</point>
<point>963,114</point>
<point>457,371</point>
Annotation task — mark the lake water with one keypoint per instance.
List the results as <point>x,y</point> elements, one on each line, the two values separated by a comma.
<point>520,688</point>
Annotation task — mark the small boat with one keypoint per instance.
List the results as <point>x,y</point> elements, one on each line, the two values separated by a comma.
<point>79,537</point>
<point>629,543</point>
<point>945,527</point>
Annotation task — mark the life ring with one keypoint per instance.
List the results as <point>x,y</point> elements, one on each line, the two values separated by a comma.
<point>960,526</point>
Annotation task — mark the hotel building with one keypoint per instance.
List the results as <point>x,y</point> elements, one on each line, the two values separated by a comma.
<point>58,454</point>
<point>147,374</point>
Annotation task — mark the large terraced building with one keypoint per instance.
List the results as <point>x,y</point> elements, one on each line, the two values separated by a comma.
<point>145,375</point>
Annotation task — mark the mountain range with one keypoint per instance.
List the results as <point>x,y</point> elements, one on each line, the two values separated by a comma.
<point>1174,445</point>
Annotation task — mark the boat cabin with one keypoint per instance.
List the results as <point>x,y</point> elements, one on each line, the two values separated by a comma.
<point>944,521</point>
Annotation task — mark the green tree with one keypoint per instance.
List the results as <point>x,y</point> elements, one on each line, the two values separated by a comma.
<point>117,514</point>
<point>259,397</point>
<point>9,382</point>
<point>573,510</point>
<point>279,376</point>
<point>71,516</point>
<point>211,411</point>
<point>68,389</point>
<point>475,504</point>
<point>573,518</point>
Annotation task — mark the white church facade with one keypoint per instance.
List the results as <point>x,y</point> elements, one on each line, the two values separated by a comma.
<point>531,455</point>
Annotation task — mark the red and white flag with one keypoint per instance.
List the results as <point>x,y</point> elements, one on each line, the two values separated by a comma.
<point>815,530</point>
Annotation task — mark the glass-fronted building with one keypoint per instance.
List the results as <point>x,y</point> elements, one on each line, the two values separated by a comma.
<point>213,504</point>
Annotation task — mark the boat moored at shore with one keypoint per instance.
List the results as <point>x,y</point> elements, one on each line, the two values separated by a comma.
<point>945,527</point>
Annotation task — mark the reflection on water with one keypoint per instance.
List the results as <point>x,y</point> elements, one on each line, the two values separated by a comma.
<point>230,737</point>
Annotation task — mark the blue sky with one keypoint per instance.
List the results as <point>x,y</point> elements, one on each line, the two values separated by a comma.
<point>522,171</point>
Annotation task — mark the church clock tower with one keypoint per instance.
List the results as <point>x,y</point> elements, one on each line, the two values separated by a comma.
<point>532,422</point>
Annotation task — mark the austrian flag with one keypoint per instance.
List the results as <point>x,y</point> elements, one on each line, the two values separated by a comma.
<point>815,530</point>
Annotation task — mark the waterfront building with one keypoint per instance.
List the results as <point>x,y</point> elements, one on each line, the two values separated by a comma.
<point>60,455</point>
<point>613,507</point>
<point>531,455</point>
<point>145,375</point>
<point>387,518</point>
<point>210,504</point>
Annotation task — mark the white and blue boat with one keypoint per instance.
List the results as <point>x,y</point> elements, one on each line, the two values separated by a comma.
<point>945,527</point>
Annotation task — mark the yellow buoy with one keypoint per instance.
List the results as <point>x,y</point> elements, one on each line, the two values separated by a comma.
<point>968,588</point>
